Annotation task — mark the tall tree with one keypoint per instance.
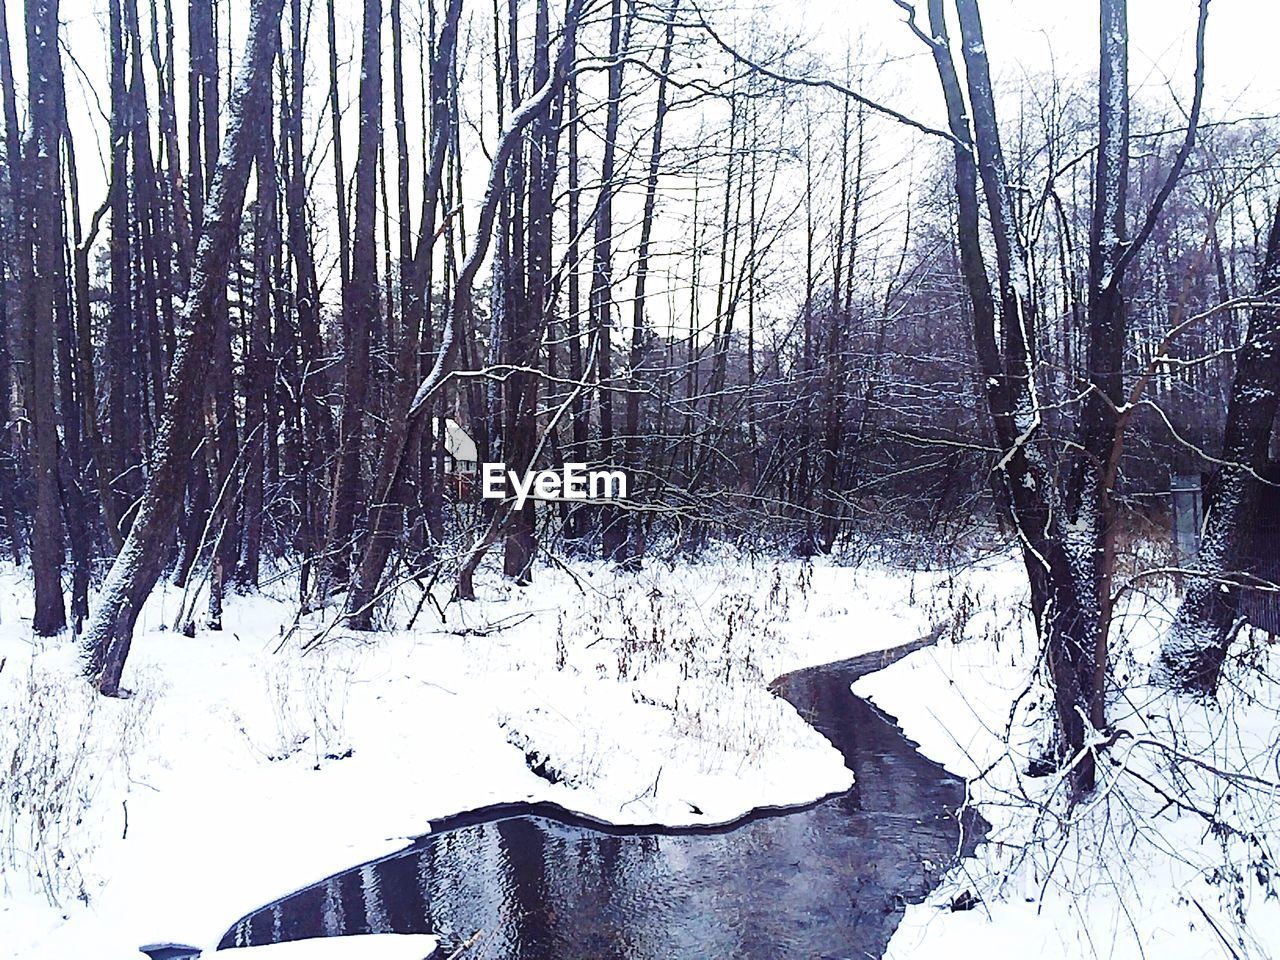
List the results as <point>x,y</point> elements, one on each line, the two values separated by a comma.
<point>42,156</point>
<point>12,310</point>
<point>311,429</point>
<point>1067,531</point>
<point>613,529</point>
<point>258,408</point>
<point>460,305</point>
<point>641,332</point>
<point>415,294</point>
<point>1195,649</point>
<point>136,569</point>
<point>117,350</point>
<point>360,301</point>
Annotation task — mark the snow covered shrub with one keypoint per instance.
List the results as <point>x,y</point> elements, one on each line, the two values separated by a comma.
<point>960,608</point>
<point>689,652</point>
<point>308,697</point>
<point>60,746</point>
<point>779,598</point>
<point>577,759</point>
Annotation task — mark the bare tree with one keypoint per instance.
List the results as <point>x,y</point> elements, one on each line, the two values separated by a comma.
<point>138,566</point>
<point>1195,650</point>
<point>1067,532</point>
<point>41,156</point>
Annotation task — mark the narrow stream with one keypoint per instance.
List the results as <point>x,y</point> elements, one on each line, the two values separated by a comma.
<point>535,882</point>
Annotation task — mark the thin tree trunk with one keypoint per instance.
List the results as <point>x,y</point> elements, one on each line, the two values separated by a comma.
<point>360,300</point>
<point>632,546</point>
<point>613,531</point>
<point>12,308</point>
<point>416,289</point>
<point>258,374</point>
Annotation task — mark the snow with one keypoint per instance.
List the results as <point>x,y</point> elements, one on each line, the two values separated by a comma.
<point>365,947</point>
<point>236,774</point>
<point>1132,876</point>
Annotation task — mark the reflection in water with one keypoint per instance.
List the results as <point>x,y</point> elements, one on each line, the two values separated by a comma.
<point>534,881</point>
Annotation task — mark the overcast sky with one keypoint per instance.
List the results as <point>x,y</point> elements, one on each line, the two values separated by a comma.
<point>1024,38</point>
<point>1031,36</point>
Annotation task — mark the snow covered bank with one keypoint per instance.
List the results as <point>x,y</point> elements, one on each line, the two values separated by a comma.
<point>1172,859</point>
<point>386,946</point>
<point>238,773</point>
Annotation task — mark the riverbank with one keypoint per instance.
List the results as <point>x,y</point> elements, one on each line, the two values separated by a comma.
<point>634,699</point>
<point>1172,856</point>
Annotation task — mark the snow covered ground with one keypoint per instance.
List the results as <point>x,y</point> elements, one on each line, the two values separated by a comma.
<point>245,766</point>
<point>1174,856</point>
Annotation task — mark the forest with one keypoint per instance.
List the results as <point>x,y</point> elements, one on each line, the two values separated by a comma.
<point>925,347</point>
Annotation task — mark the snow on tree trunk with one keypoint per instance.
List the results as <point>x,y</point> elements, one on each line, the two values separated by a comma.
<point>140,562</point>
<point>1196,646</point>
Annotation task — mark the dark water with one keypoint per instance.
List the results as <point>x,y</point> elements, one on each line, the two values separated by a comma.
<point>534,881</point>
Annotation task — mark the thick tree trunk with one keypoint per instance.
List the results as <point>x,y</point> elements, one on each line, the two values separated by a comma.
<point>140,562</point>
<point>42,156</point>
<point>1066,529</point>
<point>1195,649</point>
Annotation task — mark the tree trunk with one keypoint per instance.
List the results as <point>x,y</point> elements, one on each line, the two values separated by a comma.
<point>314,432</point>
<point>12,310</point>
<point>139,564</point>
<point>258,372</point>
<point>42,157</point>
<point>415,294</point>
<point>613,530</point>
<point>1193,653</point>
<point>632,546</point>
<point>360,298</point>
